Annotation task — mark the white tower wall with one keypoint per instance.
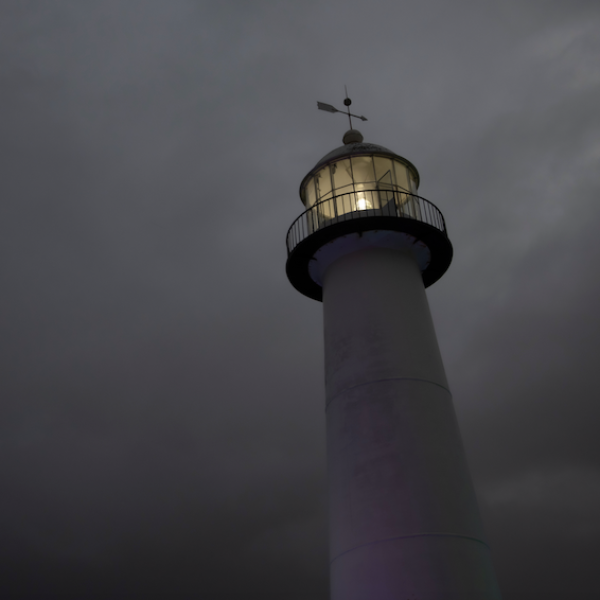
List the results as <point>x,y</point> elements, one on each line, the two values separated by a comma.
<point>403,513</point>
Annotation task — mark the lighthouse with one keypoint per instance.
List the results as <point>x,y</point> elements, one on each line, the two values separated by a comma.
<point>404,520</point>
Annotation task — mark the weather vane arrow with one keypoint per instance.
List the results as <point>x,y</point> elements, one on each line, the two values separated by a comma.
<point>333,109</point>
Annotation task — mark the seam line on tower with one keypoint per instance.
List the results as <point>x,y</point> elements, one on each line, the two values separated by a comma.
<point>387,379</point>
<point>414,535</point>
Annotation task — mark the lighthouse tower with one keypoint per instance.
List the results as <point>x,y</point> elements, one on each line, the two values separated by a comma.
<point>404,521</point>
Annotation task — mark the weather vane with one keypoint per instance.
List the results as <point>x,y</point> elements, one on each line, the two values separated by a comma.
<point>332,109</point>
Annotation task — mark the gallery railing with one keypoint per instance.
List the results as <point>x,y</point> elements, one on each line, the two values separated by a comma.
<point>361,204</point>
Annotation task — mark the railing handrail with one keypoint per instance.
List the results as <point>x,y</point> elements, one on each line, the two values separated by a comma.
<point>424,211</point>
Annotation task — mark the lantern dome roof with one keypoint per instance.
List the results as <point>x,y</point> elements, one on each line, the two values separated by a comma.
<point>355,146</point>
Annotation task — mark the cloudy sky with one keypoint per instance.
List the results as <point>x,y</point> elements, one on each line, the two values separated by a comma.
<point>162,398</point>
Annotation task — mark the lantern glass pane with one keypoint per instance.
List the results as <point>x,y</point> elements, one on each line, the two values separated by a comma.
<point>383,170</point>
<point>342,176</point>
<point>308,196</point>
<point>323,183</point>
<point>413,184</point>
<point>362,169</point>
<point>402,179</point>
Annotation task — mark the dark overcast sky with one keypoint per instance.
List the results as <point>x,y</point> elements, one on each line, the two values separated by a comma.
<point>162,398</point>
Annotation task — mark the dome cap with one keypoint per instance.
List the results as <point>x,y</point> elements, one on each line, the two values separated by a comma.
<point>355,146</point>
<point>352,136</point>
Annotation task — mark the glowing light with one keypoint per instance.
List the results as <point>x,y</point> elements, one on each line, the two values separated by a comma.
<point>362,203</point>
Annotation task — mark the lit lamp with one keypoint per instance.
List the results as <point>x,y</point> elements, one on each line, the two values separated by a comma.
<point>362,202</point>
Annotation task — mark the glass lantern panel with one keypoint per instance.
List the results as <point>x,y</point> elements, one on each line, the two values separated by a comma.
<point>385,188</point>
<point>326,211</point>
<point>342,176</point>
<point>402,179</point>
<point>309,197</point>
<point>323,183</point>
<point>345,203</point>
<point>383,170</point>
<point>413,184</point>
<point>362,169</point>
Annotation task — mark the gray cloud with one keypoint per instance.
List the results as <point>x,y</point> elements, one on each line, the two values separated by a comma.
<point>162,390</point>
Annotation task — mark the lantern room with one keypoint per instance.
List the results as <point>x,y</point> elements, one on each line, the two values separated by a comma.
<point>360,177</point>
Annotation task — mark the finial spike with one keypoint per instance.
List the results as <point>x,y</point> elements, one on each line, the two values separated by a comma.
<point>347,103</point>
